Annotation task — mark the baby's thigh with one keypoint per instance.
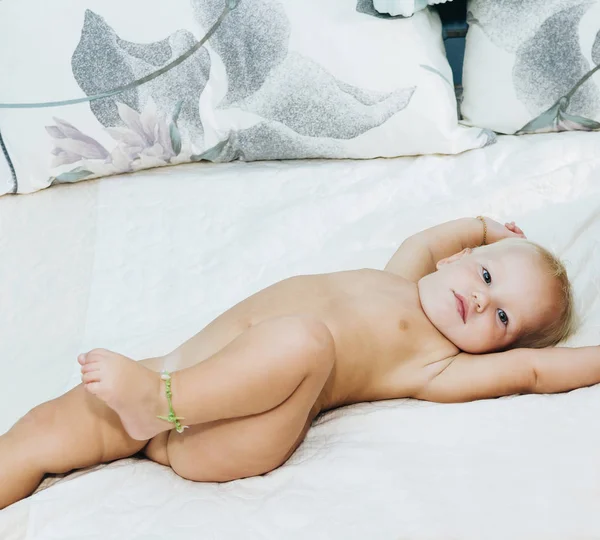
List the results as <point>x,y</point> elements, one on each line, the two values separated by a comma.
<point>241,447</point>
<point>208,341</point>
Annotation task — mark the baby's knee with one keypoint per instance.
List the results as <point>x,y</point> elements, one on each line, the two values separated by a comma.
<point>310,341</point>
<point>38,433</point>
<point>41,418</point>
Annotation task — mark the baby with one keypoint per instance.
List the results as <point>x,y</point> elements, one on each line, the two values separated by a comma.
<point>446,321</point>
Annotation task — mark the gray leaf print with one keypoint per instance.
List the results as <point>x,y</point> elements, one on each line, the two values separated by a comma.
<point>214,153</point>
<point>274,141</point>
<point>295,96</point>
<point>508,23</point>
<point>544,72</point>
<point>596,49</point>
<point>98,67</point>
<point>310,101</point>
<point>251,41</point>
<point>488,136</point>
<point>70,177</point>
<point>174,132</point>
<point>366,97</point>
<point>557,119</point>
<point>158,54</point>
<point>102,61</point>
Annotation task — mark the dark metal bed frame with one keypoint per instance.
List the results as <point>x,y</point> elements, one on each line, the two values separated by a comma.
<point>454,19</point>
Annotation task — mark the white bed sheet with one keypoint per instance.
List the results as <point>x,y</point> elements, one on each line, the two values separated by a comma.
<point>139,263</point>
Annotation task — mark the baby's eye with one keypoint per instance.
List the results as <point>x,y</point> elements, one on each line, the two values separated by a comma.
<point>487,277</point>
<point>503,317</point>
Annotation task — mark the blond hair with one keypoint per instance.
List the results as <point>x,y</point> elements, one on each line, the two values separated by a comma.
<point>565,323</point>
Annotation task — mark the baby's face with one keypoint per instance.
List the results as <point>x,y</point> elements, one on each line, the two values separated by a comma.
<point>485,300</point>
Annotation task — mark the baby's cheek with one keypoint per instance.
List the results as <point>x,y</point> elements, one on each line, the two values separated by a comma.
<point>486,336</point>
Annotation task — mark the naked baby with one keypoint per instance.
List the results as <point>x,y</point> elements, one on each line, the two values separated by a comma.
<point>465,310</point>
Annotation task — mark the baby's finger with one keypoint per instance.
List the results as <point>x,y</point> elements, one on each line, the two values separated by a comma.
<point>512,226</point>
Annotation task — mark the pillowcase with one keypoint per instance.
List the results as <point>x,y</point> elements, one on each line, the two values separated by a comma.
<point>6,178</point>
<point>532,67</point>
<point>278,79</point>
<point>403,8</point>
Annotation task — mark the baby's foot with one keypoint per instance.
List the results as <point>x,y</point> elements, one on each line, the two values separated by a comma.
<point>131,390</point>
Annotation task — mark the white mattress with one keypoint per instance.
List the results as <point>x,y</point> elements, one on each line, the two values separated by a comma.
<point>139,263</point>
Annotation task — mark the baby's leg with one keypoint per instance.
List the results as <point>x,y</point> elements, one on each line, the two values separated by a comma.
<point>79,430</point>
<point>237,448</point>
<point>264,385</point>
<point>73,431</point>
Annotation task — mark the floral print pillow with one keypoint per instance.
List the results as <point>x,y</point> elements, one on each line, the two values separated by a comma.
<point>532,67</point>
<point>216,80</point>
<point>144,140</point>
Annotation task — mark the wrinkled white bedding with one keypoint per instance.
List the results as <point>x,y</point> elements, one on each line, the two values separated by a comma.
<point>139,263</point>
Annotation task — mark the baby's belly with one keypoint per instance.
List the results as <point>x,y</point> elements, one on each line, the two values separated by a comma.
<point>377,362</point>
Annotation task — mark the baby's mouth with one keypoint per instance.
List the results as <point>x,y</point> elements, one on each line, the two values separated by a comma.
<point>461,306</point>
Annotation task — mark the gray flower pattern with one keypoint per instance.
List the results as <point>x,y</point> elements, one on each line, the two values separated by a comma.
<point>552,74</point>
<point>144,134</point>
<point>71,145</point>
<point>103,60</point>
<point>295,96</point>
<point>543,72</point>
<point>290,95</point>
<point>508,23</point>
<point>298,108</point>
<point>147,139</point>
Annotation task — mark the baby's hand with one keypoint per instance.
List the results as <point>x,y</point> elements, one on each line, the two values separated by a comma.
<point>496,231</point>
<point>515,229</point>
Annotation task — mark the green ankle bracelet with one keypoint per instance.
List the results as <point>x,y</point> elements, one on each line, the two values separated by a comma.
<point>172,417</point>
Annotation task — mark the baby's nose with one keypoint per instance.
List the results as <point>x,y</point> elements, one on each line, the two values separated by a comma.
<point>481,300</point>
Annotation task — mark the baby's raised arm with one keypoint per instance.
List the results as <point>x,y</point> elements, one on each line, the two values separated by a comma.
<point>467,377</point>
<point>418,255</point>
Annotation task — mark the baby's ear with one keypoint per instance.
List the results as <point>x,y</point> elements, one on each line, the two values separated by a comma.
<point>453,258</point>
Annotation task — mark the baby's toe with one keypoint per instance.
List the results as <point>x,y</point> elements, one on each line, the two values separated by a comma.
<point>94,356</point>
<point>90,377</point>
<point>93,387</point>
<point>87,368</point>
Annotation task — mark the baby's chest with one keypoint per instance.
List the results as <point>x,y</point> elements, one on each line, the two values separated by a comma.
<point>384,360</point>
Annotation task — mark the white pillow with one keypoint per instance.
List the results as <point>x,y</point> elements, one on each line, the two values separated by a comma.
<point>532,67</point>
<point>404,8</point>
<point>277,80</point>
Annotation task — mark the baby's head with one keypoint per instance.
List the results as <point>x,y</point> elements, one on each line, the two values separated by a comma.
<point>510,294</point>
